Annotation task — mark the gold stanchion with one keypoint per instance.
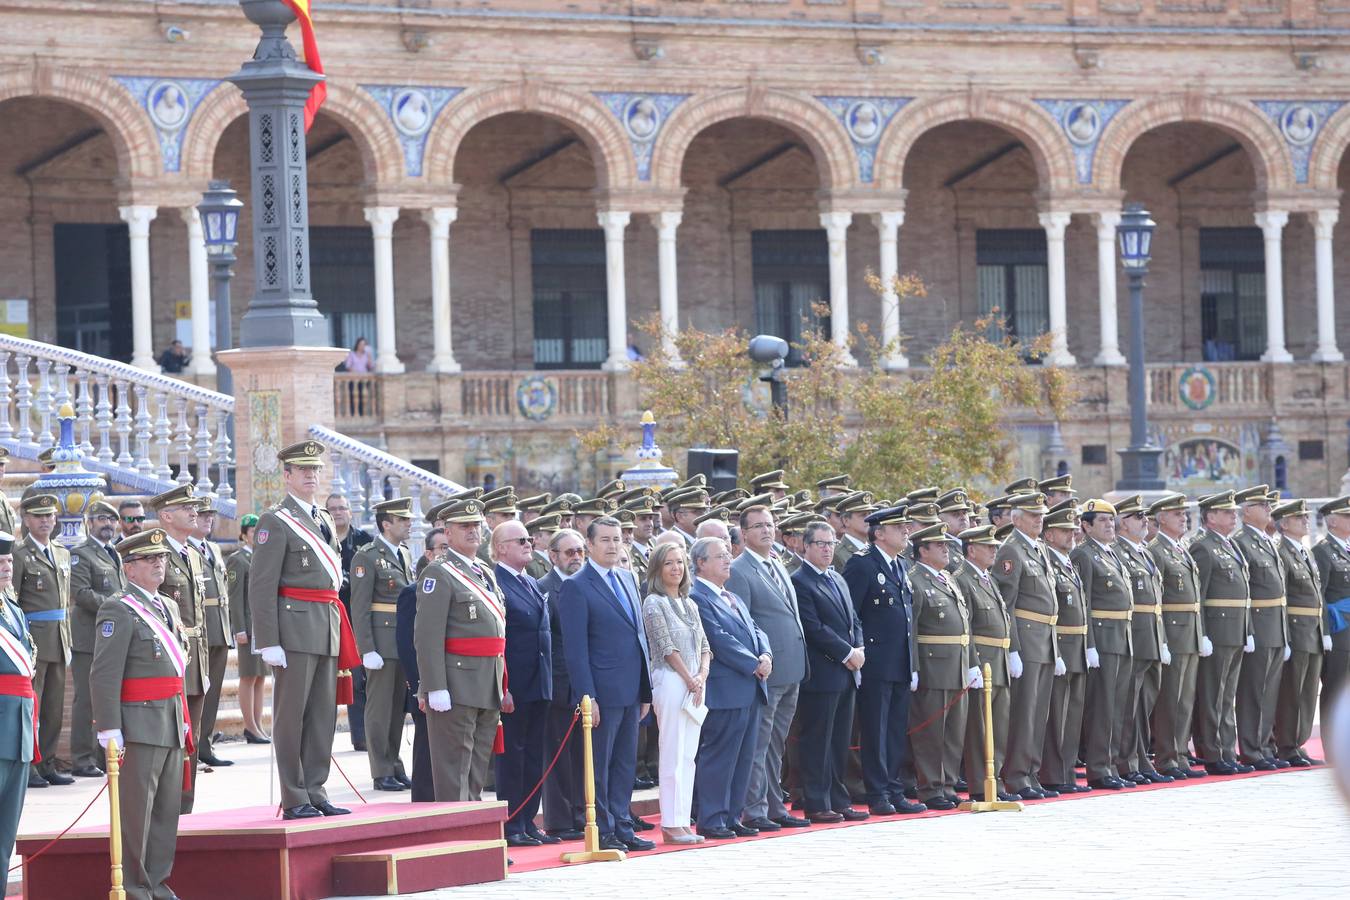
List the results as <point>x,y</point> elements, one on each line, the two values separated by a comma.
<point>592,853</point>
<point>991,803</point>
<point>115,824</point>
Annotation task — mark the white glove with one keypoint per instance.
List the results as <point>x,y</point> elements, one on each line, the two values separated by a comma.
<point>372,661</point>
<point>975,678</point>
<point>1166,655</point>
<point>1326,643</point>
<point>114,735</point>
<point>273,656</point>
<point>1206,646</point>
<point>1250,646</point>
<point>1093,660</point>
<point>206,683</point>
<point>1287,652</point>
<point>914,681</point>
<point>1015,664</point>
<point>439,701</point>
<point>1060,668</point>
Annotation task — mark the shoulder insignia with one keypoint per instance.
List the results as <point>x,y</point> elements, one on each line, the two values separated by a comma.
<point>74,559</point>
<point>358,571</point>
<point>234,576</point>
<point>1007,566</point>
<point>107,629</point>
<point>428,585</point>
<point>261,536</point>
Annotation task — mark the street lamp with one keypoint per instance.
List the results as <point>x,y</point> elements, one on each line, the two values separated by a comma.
<point>772,351</point>
<point>219,211</point>
<point>1139,461</point>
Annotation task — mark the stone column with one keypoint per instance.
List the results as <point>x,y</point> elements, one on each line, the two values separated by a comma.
<point>1109,355</point>
<point>1054,224</point>
<point>138,219</point>
<point>666,224</point>
<point>1272,224</point>
<point>888,227</point>
<point>443,352</point>
<point>381,219</point>
<point>200,285</point>
<point>615,222</point>
<point>1324,223</point>
<point>836,231</point>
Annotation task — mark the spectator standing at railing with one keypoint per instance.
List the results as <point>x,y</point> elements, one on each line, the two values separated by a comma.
<point>358,358</point>
<point>349,540</point>
<point>175,358</point>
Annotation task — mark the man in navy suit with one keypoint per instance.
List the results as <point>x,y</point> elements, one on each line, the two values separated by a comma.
<point>529,666</point>
<point>564,795</point>
<point>834,642</point>
<point>878,582</point>
<point>741,662</point>
<point>606,648</point>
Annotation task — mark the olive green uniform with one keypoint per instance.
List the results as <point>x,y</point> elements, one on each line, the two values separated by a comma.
<point>249,664</point>
<point>9,522</point>
<point>1064,731</point>
<point>1109,599</point>
<point>1184,629</point>
<point>220,631</point>
<point>1333,567</point>
<point>379,573</point>
<point>1298,684</point>
<point>944,655</point>
<point>184,587</point>
<point>989,626</point>
<point>42,584</point>
<point>1146,631</point>
<point>94,577</point>
<point>1259,675</point>
<point>1224,593</point>
<point>844,550</point>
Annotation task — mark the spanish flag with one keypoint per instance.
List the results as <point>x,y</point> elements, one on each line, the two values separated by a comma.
<point>320,90</point>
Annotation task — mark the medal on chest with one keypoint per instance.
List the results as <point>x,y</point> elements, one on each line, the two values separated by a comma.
<point>473,611</point>
<point>304,562</point>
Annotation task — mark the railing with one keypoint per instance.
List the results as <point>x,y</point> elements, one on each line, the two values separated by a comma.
<point>536,395</point>
<point>141,429</point>
<point>366,475</point>
<point>357,397</point>
<point>1209,385</point>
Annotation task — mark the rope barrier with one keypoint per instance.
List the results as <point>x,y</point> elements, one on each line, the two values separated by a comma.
<point>52,842</point>
<point>576,717</point>
<point>937,715</point>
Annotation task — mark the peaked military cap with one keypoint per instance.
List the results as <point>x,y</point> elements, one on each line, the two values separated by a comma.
<point>143,545</point>
<point>933,534</point>
<point>461,511</point>
<point>797,524</point>
<point>828,504</point>
<point>1070,503</point>
<point>760,500</point>
<point>924,513</point>
<point>1022,486</point>
<point>6,544</point>
<point>47,504</point>
<point>894,515</point>
<point>1167,504</point>
<point>596,506</point>
<point>856,502</point>
<point>1338,507</point>
<point>983,534</point>
<point>549,523</point>
<point>1128,506</point>
<point>693,481</point>
<point>1032,501</point>
<point>735,495</point>
<point>1259,493</point>
<point>1097,506</point>
<point>923,495</point>
<point>206,505</point>
<point>613,488</point>
<point>45,459</point>
<point>768,481</point>
<point>1291,508</point>
<point>641,506</point>
<point>695,498</point>
<point>1064,518</point>
<point>1004,502</point>
<point>562,505</point>
<point>719,513</point>
<point>834,483</point>
<point>182,495</point>
<point>954,501</point>
<point>399,507</point>
<point>500,505</point>
<point>538,501</point>
<point>627,520</point>
<point>101,508</point>
<point>1221,500</point>
<point>496,494</point>
<point>1002,531</point>
<point>1060,484</point>
<point>473,493</point>
<point>306,454</point>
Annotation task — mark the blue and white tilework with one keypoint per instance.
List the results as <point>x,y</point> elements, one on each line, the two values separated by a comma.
<point>642,117</point>
<point>865,119</point>
<point>170,104</point>
<point>413,110</point>
<point>1300,123</point>
<point>1083,122</point>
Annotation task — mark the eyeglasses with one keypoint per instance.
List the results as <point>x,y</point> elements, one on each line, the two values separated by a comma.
<point>722,556</point>
<point>521,541</point>
<point>825,543</point>
<point>759,525</point>
<point>577,551</point>
<point>131,520</point>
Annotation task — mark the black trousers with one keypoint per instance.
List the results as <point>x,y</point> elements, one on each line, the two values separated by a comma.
<point>423,789</point>
<point>883,710</point>
<point>564,797</point>
<point>521,763</point>
<point>827,725</point>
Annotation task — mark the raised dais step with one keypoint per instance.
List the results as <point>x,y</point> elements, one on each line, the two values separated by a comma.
<point>419,867</point>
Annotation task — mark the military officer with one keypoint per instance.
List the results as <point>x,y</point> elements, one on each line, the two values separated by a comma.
<point>8,525</point>
<point>541,530</point>
<point>498,506</point>
<point>944,663</point>
<point>954,509</point>
<point>645,519</point>
<point>562,506</point>
<point>1022,573</point>
<point>588,511</point>
<point>530,508</point>
<point>380,570</point>
<point>989,626</point>
<point>95,576</point>
<point>460,636</point>
<point>1184,633</point>
<point>1149,641</point>
<point>301,630</point>
<point>42,585</point>
<point>1063,732</point>
<point>853,511</point>
<point>1225,598</point>
<point>684,507</point>
<point>833,486</point>
<point>184,585</point>
<point>219,624</point>
<point>1332,555</point>
<point>1259,675</point>
<point>611,490</point>
<point>137,677</point>
<point>18,708</point>
<point>1057,489</point>
<point>999,510</point>
<point>1303,590</point>
<point>770,483</point>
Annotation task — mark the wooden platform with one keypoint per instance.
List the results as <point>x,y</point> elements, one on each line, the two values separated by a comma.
<point>256,854</point>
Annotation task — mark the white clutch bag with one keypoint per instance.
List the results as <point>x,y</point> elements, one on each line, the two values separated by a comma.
<point>697,713</point>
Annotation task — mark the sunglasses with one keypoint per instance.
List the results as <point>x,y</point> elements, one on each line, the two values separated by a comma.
<point>521,541</point>
<point>133,519</point>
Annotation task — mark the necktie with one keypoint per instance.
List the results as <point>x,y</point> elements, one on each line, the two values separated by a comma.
<point>834,589</point>
<point>617,587</point>
<point>323,526</point>
<point>183,553</point>
<point>773,576</point>
<point>730,600</point>
<point>403,561</point>
<point>117,560</point>
<point>898,572</point>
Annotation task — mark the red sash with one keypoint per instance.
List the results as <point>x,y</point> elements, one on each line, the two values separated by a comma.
<point>135,690</point>
<point>348,656</point>
<point>22,686</point>
<point>482,646</point>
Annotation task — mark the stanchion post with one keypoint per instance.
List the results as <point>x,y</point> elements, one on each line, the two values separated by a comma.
<point>115,823</point>
<point>991,803</point>
<point>593,852</point>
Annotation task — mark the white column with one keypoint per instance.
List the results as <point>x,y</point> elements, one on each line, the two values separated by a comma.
<point>1054,224</point>
<point>138,219</point>
<point>381,219</point>
<point>1324,222</point>
<point>888,227</point>
<point>666,224</point>
<point>615,222</point>
<point>1109,355</point>
<point>836,231</point>
<point>443,351</point>
<point>200,285</point>
<point>1272,224</point>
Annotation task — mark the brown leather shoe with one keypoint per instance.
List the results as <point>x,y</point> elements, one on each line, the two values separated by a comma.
<point>825,816</point>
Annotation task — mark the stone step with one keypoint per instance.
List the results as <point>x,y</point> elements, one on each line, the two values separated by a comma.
<point>419,867</point>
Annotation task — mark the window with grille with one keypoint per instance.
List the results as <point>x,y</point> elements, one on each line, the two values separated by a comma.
<point>1011,277</point>
<point>342,273</point>
<point>570,317</point>
<point>791,275</point>
<point>1232,293</point>
<point>93,289</point>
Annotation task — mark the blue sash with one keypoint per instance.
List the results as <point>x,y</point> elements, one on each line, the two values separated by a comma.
<point>49,615</point>
<point>1338,615</point>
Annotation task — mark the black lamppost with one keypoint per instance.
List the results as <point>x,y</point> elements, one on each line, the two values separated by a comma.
<point>1139,461</point>
<point>772,351</point>
<point>219,211</point>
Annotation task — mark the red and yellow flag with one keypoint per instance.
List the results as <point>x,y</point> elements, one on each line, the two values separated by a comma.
<point>320,90</point>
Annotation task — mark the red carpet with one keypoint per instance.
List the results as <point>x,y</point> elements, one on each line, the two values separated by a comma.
<point>530,859</point>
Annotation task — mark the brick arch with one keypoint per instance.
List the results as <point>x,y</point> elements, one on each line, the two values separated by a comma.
<point>1330,148</point>
<point>806,118</point>
<point>133,137</point>
<point>1256,133</point>
<point>363,118</point>
<point>597,128</point>
<point>1035,127</point>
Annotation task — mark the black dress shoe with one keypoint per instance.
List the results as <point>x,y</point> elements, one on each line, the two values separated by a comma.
<point>1176,773</point>
<point>1313,761</point>
<point>403,780</point>
<point>303,811</point>
<point>1127,783</point>
<point>251,738</point>
<point>824,817</point>
<point>1242,768</point>
<point>1006,797</point>
<point>1058,788</point>
<point>791,822</point>
<point>760,823</point>
<point>1299,762</point>
<point>58,779</point>
<point>961,786</point>
<point>1081,789</point>
<point>939,803</point>
<point>1219,768</point>
<point>1263,765</point>
<point>36,781</point>
<point>1105,784</point>
<point>643,783</point>
<point>568,834</point>
<point>610,842</point>
<point>852,815</point>
<point>87,772</point>
<point>908,807</point>
<point>636,843</point>
<point>1195,773</point>
<point>1047,793</point>
<point>911,794</point>
<point>743,830</point>
<point>329,809</point>
<point>389,783</point>
<point>641,824</point>
<point>545,838</point>
<point>1279,763</point>
<point>1029,793</point>
<point>1158,778</point>
<point>521,840</point>
<point>359,746</point>
<point>881,809</point>
<point>1135,777</point>
<point>717,834</point>
<point>215,762</point>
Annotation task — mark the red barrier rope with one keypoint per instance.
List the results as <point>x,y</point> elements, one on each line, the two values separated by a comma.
<point>576,715</point>
<point>49,844</point>
<point>348,780</point>
<point>937,715</point>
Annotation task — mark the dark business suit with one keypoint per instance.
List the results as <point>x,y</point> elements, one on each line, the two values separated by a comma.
<point>606,648</point>
<point>726,743</point>
<point>832,631</point>
<point>423,789</point>
<point>529,664</point>
<point>884,607</point>
<point>564,797</point>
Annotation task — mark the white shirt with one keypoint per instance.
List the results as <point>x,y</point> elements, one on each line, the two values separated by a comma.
<point>304,504</point>
<point>856,543</point>
<point>471,563</point>
<point>718,591</point>
<point>1062,558</point>
<point>177,547</point>
<point>511,569</point>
